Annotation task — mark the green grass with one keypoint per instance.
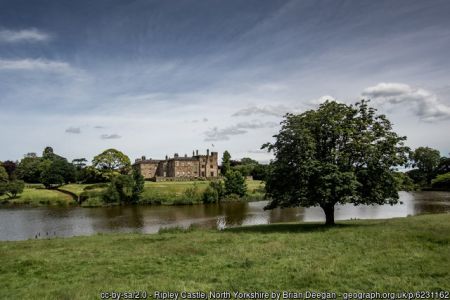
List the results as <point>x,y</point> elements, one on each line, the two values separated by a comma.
<point>166,193</point>
<point>74,188</point>
<point>405,254</point>
<point>38,196</point>
<point>173,192</point>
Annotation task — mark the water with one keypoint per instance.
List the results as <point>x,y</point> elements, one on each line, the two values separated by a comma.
<point>25,223</point>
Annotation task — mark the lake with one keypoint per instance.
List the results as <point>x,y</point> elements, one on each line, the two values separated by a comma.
<point>22,223</point>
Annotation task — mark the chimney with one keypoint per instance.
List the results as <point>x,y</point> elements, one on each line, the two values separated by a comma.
<point>175,155</point>
<point>193,153</point>
<point>185,155</point>
<point>143,157</point>
<point>196,152</point>
<point>167,157</point>
<point>207,152</point>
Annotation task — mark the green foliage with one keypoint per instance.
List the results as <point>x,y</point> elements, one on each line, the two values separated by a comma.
<point>111,162</point>
<point>443,167</point>
<point>56,171</point>
<point>3,175</point>
<point>404,182</point>
<point>138,187</point>
<point>210,195</point>
<point>217,185</point>
<point>441,182</point>
<point>225,163</point>
<point>10,168</point>
<point>91,175</point>
<point>120,190</point>
<point>15,187</point>
<point>235,183</point>
<point>29,169</point>
<point>426,160</point>
<point>336,154</point>
<point>191,194</point>
<point>124,189</point>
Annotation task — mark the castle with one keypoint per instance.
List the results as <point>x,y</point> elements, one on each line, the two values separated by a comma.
<point>179,168</point>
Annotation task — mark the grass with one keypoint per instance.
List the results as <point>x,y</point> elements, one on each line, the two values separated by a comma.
<point>38,196</point>
<point>405,254</point>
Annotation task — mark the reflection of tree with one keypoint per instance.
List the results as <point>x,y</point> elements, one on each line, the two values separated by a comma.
<point>286,214</point>
<point>116,217</point>
<point>235,212</point>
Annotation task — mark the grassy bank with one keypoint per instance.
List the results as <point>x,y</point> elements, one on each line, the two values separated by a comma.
<point>165,193</point>
<point>408,254</point>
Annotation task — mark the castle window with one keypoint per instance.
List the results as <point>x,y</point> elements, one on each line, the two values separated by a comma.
<point>211,166</point>
<point>212,174</point>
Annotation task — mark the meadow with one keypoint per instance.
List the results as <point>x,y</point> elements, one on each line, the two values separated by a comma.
<point>159,193</point>
<point>404,254</point>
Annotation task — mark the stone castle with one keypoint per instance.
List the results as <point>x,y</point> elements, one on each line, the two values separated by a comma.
<point>179,167</point>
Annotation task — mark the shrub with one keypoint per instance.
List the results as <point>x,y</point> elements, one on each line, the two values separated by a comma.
<point>441,182</point>
<point>191,194</point>
<point>217,185</point>
<point>210,195</point>
<point>15,187</point>
<point>235,183</point>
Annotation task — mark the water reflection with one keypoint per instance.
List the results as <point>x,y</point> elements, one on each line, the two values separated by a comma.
<point>25,223</point>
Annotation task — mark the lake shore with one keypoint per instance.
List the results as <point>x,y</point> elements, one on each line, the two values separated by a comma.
<point>384,255</point>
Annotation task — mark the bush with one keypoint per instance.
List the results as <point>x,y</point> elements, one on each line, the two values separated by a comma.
<point>210,195</point>
<point>235,183</point>
<point>217,185</point>
<point>441,182</point>
<point>191,194</point>
<point>15,187</point>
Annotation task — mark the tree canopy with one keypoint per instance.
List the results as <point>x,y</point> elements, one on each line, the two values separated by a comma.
<point>427,160</point>
<point>336,154</point>
<point>112,160</point>
<point>225,162</point>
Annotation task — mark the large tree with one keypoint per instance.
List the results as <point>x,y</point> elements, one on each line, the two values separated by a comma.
<point>427,160</point>
<point>112,161</point>
<point>225,163</point>
<point>336,154</point>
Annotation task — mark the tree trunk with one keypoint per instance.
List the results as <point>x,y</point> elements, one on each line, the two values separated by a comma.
<point>329,214</point>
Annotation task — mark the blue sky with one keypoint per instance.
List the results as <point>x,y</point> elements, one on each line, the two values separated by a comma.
<point>157,77</point>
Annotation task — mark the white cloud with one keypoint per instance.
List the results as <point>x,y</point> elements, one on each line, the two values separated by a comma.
<point>110,136</point>
<point>36,65</point>
<point>224,134</point>
<point>75,130</point>
<point>424,103</point>
<point>269,110</point>
<point>24,35</point>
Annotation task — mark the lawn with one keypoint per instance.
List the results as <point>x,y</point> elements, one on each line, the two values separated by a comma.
<point>405,254</point>
<point>39,196</point>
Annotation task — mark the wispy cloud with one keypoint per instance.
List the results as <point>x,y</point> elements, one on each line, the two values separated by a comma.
<point>424,103</point>
<point>24,35</point>
<point>29,64</point>
<point>224,134</point>
<point>99,127</point>
<point>277,111</point>
<point>110,136</point>
<point>74,130</point>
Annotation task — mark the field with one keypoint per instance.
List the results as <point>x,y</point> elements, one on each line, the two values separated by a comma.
<point>165,193</point>
<point>406,254</point>
<point>37,195</point>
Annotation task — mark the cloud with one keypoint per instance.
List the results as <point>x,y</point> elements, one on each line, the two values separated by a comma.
<point>224,134</point>
<point>24,35</point>
<point>99,127</point>
<point>322,99</point>
<point>424,103</point>
<point>278,111</point>
<point>74,130</point>
<point>110,136</point>
<point>36,65</point>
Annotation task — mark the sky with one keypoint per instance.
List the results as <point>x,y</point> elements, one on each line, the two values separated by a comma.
<point>157,77</point>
